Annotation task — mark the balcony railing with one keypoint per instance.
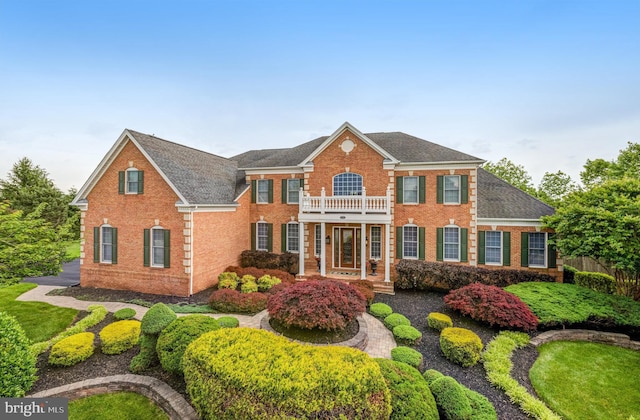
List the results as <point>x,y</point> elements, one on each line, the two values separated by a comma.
<point>362,204</point>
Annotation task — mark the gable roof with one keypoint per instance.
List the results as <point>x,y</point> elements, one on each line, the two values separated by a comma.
<point>497,199</point>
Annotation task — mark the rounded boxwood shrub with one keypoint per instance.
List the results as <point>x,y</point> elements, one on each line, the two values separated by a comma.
<point>120,336</point>
<point>439,321</point>
<point>325,305</point>
<point>461,346</point>
<point>247,278</point>
<point>17,363</point>
<point>174,339</point>
<point>410,394</point>
<point>380,310</point>
<point>431,375</point>
<point>232,301</point>
<point>451,399</point>
<point>246,373</point>
<point>394,320</point>
<point>228,322</point>
<point>72,350</point>
<point>228,280</point>
<point>147,356</point>
<point>157,318</point>
<point>249,287</point>
<point>407,355</point>
<point>482,408</point>
<point>407,335</point>
<point>124,313</point>
<point>492,305</point>
<point>266,282</point>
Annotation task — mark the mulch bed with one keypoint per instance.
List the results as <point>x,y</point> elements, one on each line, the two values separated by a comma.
<point>412,304</point>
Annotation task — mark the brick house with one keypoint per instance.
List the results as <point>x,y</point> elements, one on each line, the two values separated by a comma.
<point>159,217</point>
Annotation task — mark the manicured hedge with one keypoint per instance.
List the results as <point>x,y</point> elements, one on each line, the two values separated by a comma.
<point>232,301</point>
<point>73,349</point>
<point>406,335</point>
<point>124,314</point>
<point>363,286</point>
<point>147,357</point>
<point>266,282</point>
<point>245,373</point>
<point>427,275</point>
<point>287,261</point>
<point>481,407</point>
<point>492,305</point>
<point>157,318</point>
<point>284,276</point>
<point>439,321</point>
<point>120,336</point>
<point>228,322</point>
<point>17,363</point>
<point>380,310</point>
<point>451,399</point>
<point>411,397</point>
<point>461,346</point>
<point>228,280</point>
<point>394,320</point>
<point>600,282</point>
<point>407,355</point>
<point>174,339</point>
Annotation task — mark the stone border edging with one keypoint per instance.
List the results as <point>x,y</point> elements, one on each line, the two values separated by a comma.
<point>157,391</point>
<point>614,339</point>
<point>359,341</point>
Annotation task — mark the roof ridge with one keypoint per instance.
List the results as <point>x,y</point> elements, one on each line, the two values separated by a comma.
<point>178,144</point>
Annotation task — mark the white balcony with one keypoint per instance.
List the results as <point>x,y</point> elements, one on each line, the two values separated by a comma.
<point>354,204</point>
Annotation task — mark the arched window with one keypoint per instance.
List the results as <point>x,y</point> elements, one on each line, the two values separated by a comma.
<point>347,183</point>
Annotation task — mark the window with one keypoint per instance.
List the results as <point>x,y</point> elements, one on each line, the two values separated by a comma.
<point>347,184</point>
<point>263,190</point>
<point>452,243</point>
<point>263,236</point>
<point>293,191</point>
<point>318,240</point>
<point>157,247</point>
<point>376,242</point>
<point>410,242</point>
<point>410,190</point>
<point>106,244</point>
<point>493,247</point>
<point>452,189</point>
<point>537,249</point>
<point>131,181</point>
<point>293,237</point>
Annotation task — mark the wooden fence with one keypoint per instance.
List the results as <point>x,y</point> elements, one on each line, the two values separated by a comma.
<point>587,264</point>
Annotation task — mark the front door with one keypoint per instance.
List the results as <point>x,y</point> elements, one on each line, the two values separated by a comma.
<point>347,252</point>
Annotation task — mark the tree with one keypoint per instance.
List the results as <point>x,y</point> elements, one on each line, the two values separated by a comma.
<point>603,223</point>
<point>28,186</point>
<point>627,164</point>
<point>554,187</point>
<point>29,245</point>
<point>514,174</point>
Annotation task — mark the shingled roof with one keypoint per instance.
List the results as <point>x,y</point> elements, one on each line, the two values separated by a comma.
<point>497,199</point>
<point>201,177</point>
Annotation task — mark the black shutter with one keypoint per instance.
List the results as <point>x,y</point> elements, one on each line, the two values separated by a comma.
<point>147,248</point>
<point>506,248</point>
<point>464,189</point>
<point>270,183</point>
<point>524,249</point>
<point>140,182</point>
<point>254,192</point>
<point>253,236</point>
<point>464,240</point>
<point>167,248</point>
<point>552,255</point>
<point>121,182</point>
<point>481,245</point>
<point>284,191</point>
<point>283,236</point>
<point>399,189</point>
<point>270,237</point>
<point>96,244</point>
<point>114,246</point>
<point>440,189</point>
<point>421,243</point>
<point>399,243</point>
<point>439,244</point>
<point>422,196</point>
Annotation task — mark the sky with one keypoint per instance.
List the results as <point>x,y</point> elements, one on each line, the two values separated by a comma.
<point>546,84</point>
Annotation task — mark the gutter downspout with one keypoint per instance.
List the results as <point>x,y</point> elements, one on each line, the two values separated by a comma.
<point>191,253</point>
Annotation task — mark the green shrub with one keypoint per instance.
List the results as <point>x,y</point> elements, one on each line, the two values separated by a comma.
<point>228,280</point>
<point>249,287</point>
<point>569,274</point>
<point>147,356</point>
<point>380,310</point>
<point>120,336</point>
<point>394,320</point>
<point>246,373</point>
<point>461,346</point>
<point>17,363</point>
<point>124,314</point>
<point>451,399</point>
<point>174,339</point>
<point>410,394</point>
<point>406,335</point>
<point>266,282</point>
<point>71,350</point>
<point>407,355</point>
<point>482,408</point>
<point>247,278</point>
<point>431,375</point>
<point>157,318</point>
<point>439,321</point>
<point>228,322</point>
<point>600,282</point>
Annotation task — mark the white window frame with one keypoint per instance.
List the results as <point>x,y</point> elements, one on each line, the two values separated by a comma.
<point>296,190</point>
<point>265,199</point>
<point>405,190</point>
<point>103,244</point>
<point>262,231</point>
<point>375,239</point>
<point>337,188</point>
<point>487,247</point>
<point>128,172</point>
<point>444,189</point>
<point>445,243</point>
<point>405,242</point>
<point>318,240</point>
<point>153,246</point>
<point>544,248</point>
<point>293,237</point>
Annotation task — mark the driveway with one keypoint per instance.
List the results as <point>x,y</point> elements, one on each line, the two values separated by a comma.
<point>70,276</point>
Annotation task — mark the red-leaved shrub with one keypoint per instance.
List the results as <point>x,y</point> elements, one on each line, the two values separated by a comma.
<point>325,305</point>
<point>232,301</point>
<point>364,286</point>
<point>493,305</point>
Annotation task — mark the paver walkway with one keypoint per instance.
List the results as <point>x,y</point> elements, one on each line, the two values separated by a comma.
<point>380,342</point>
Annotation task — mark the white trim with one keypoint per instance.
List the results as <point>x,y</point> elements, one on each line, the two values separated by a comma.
<point>300,248</point>
<point>404,189</point>
<point>444,190</point>
<point>444,258</point>
<point>152,262</point>
<point>508,222</point>
<point>545,249</point>
<point>207,208</point>
<point>101,240</point>
<point>371,242</point>
<point>501,232</point>
<point>421,166</point>
<point>126,181</point>
<point>404,237</point>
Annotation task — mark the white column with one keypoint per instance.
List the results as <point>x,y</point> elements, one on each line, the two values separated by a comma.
<point>323,250</point>
<point>363,251</point>
<point>301,249</point>
<point>387,249</point>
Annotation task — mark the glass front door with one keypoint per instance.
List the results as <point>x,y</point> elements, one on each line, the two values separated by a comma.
<point>346,247</point>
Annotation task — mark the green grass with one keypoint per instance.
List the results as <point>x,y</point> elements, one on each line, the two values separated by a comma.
<point>581,380</point>
<point>558,303</point>
<point>40,320</point>
<point>117,405</point>
<point>72,250</point>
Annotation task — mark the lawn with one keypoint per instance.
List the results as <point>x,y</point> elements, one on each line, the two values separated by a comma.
<point>40,320</point>
<point>72,250</point>
<point>117,405</point>
<point>581,380</point>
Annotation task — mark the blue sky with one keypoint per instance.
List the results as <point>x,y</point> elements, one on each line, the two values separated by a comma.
<point>547,84</point>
